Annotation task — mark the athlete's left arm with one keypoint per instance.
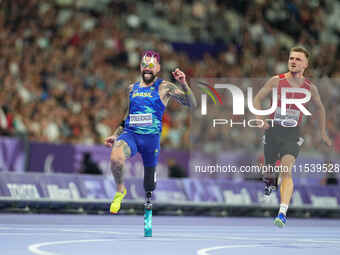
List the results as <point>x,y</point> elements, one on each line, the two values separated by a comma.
<point>322,113</point>
<point>183,95</point>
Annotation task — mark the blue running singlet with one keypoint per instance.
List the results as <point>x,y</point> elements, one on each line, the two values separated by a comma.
<point>146,109</point>
<point>144,123</point>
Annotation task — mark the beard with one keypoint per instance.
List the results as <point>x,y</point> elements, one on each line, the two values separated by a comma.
<point>148,80</point>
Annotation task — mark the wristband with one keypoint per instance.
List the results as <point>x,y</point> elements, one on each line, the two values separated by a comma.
<point>122,124</point>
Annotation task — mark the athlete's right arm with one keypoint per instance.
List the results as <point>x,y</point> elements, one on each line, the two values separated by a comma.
<point>109,141</point>
<point>263,93</point>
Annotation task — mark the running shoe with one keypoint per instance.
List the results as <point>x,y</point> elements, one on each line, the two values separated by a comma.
<point>117,200</point>
<point>270,185</point>
<point>280,220</point>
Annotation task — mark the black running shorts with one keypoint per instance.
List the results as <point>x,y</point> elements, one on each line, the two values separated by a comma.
<point>279,141</point>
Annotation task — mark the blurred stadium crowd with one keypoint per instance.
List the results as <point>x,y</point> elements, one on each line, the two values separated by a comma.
<point>65,64</point>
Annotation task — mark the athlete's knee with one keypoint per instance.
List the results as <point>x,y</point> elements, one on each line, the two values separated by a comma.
<point>286,175</point>
<point>149,178</point>
<point>116,158</point>
<point>120,152</point>
<point>288,160</point>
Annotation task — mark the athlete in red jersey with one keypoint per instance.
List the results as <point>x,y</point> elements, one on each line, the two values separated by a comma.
<point>293,116</point>
<point>283,142</point>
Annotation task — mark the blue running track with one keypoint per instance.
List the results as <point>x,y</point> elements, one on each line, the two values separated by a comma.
<point>23,234</point>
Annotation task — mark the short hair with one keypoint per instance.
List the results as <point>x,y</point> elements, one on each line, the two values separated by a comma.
<point>301,49</point>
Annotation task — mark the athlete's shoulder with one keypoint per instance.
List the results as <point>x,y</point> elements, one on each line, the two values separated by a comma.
<point>309,83</point>
<point>274,81</point>
<point>276,78</point>
<point>133,85</point>
<point>130,88</point>
<point>281,76</point>
<point>312,86</point>
<point>166,84</point>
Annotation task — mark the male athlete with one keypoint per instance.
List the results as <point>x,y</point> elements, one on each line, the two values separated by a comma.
<point>282,141</point>
<point>140,130</point>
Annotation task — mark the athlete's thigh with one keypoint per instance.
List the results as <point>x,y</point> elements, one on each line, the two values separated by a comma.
<point>124,147</point>
<point>149,148</point>
<point>289,150</point>
<point>291,146</point>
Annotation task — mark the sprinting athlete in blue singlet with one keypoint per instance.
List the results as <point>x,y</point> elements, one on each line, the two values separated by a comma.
<point>140,130</point>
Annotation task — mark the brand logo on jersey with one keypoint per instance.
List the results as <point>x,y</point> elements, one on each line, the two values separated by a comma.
<point>142,94</point>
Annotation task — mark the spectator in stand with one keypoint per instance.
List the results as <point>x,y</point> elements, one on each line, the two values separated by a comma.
<point>62,66</point>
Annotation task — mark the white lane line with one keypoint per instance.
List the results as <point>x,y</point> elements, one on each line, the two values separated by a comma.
<point>36,248</point>
<point>245,238</point>
<point>30,229</point>
<point>30,234</point>
<point>190,236</point>
<point>93,231</point>
<point>67,230</point>
<point>131,228</point>
<point>206,250</point>
<point>215,235</point>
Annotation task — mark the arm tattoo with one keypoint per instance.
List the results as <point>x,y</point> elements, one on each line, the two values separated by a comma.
<point>183,95</point>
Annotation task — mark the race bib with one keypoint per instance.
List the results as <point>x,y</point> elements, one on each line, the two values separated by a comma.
<point>141,119</point>
<point>291,118</point>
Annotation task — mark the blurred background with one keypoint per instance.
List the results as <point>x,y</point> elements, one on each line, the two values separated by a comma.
<point>64,70</point>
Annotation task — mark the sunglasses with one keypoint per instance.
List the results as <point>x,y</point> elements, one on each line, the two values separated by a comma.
<point>148,65</point>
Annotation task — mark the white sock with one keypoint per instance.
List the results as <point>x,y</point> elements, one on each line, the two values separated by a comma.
<point>283,209</point>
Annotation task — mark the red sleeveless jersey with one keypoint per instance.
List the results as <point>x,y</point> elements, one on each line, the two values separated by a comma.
<point>292,112</point>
